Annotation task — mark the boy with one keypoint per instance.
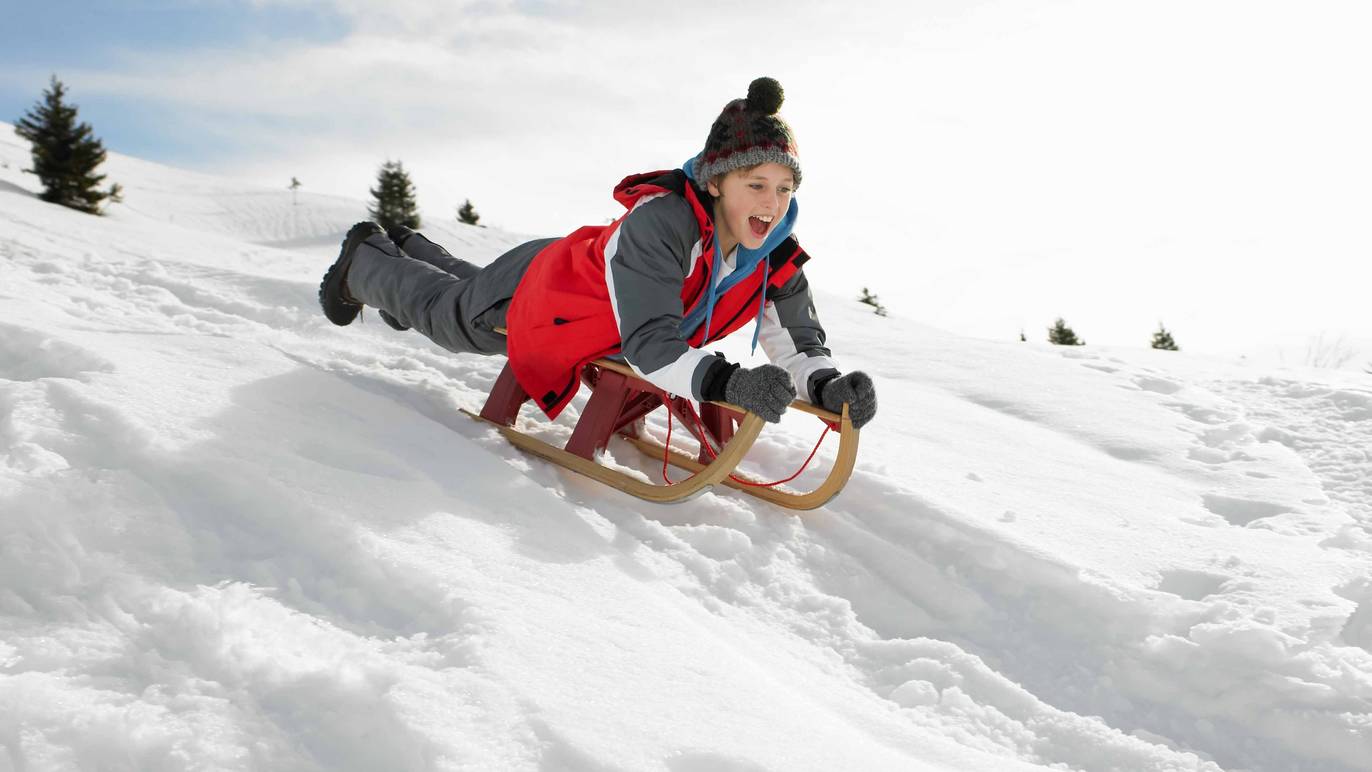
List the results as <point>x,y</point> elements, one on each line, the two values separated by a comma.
<point>701,251</point>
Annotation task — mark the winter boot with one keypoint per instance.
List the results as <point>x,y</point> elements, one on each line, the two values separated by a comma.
<point>338,305</point>
<point>398,233</point>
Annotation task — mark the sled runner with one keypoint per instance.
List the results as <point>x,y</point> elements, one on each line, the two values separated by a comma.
<point>620,400</point>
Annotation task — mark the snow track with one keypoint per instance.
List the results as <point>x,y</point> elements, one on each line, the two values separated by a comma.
<point>236,537</point>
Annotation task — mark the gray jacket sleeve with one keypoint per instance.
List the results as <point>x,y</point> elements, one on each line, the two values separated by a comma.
<point>647,260</point>
<point>793,338</point>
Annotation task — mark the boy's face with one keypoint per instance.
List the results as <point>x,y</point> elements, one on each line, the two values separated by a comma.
<point>751,202</point>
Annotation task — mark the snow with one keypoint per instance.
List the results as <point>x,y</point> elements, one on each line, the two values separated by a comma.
<point>233,536</point>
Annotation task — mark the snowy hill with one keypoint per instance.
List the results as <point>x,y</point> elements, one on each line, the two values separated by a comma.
<point>233,536</point>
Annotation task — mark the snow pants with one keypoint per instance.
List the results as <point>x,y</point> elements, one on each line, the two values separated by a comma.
<point>454,303</point>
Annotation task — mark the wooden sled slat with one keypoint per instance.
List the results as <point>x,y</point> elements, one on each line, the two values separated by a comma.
<point>619,400</point>
<point>838,474</point>
<point>718,470</point>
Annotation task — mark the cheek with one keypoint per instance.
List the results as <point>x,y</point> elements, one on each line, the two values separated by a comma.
<point>741,213</point>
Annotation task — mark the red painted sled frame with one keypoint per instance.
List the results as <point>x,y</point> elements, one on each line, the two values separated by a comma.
<point>620,400</point>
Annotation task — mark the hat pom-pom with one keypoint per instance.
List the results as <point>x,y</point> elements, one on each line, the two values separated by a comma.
<point>765,95</point>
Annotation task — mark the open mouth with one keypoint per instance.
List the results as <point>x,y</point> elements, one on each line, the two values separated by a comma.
<point>760,224</point>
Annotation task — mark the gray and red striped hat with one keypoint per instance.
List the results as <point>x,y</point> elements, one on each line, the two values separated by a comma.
<point>749,132</point>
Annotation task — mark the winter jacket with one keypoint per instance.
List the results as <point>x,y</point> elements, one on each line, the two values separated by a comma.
<point>626,289</point>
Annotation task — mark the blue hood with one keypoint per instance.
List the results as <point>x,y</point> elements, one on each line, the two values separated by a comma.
<point>745,263</point>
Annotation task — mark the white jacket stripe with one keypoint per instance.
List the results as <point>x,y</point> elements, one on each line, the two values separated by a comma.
<point>612,249</point>
<point>780,347</point>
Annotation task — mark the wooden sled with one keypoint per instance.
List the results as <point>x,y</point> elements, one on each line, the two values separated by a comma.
<point>620,400</point>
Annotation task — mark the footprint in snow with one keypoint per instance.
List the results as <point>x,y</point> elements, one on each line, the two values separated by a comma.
<point>1157,385</point>
<point>1241,512</point>
<point>1191,585</point>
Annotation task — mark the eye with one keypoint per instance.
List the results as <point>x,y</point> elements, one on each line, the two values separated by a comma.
<point>786,191</point>
<point>755,185</point>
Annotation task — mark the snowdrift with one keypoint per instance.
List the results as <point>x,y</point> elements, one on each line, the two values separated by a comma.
<point>233,536</point>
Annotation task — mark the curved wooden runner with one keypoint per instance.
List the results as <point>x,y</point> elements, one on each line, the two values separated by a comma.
<point>718,470</point>
<point>738,440</point>
<point>838,474</point>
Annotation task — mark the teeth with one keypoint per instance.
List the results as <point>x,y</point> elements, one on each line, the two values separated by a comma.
<point>764,217</point>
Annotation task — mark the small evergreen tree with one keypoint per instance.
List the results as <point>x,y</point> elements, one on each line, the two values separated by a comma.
<point>65,152</point>
<point>394,203</point>
<point>1162,339</point>
<point>1062,335</point>
<point>467,213</point>
<point>295,187</point>
<point>1022,339</point>
<point>871,300</point>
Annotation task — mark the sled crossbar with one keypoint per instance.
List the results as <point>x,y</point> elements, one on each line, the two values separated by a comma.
<point>619,402</point>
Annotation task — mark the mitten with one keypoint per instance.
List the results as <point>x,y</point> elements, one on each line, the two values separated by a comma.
<point>766,390</point>
<point>857,390</point>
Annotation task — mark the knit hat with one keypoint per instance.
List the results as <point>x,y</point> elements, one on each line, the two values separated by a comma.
<point>747,133</point>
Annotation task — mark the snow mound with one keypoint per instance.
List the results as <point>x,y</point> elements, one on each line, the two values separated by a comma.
<point>236,537</point>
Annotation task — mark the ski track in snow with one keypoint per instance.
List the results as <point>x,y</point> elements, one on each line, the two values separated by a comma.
<point>236,537</point>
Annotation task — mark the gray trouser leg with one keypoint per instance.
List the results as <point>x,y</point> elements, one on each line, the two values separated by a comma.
<point>427,298</point>
<point>419,247</point>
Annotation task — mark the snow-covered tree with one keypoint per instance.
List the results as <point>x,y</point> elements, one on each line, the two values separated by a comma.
<point>1062,335</point>
<point>467,213</point>
<point>65,153</point>
<point>393,198</point>
<point>1162,339</point>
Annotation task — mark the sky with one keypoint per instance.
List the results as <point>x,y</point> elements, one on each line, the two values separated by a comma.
<point>983,166</point>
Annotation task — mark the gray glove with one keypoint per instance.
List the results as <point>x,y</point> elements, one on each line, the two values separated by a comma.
<point>857,390</point>
<point>766,390</point>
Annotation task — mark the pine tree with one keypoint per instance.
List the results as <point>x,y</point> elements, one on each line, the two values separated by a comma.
<point>1062,335</point>
<point>467,213</point>
<point>65,153</point>
<point>394,198</point>
<point>1162,339</point>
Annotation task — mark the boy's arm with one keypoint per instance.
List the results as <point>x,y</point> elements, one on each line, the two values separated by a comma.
<point>793,338</point>
<point>646,262</point>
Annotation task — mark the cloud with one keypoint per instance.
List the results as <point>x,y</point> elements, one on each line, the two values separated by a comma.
<point>938,137</point>
<point>538,104</point>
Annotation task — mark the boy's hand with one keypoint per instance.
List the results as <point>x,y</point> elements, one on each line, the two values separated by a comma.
<point>857,390</point>
<point>766,390</point>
